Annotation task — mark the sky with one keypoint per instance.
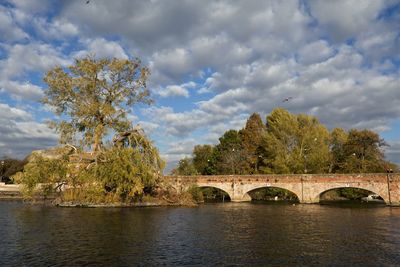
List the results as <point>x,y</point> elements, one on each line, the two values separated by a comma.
<point>213,63</point>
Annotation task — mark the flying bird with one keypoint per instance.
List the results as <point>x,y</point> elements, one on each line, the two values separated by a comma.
<point>88,1</point>
<point>287,99</point>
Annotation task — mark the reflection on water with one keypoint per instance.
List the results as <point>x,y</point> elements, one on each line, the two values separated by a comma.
<point>211,234</point>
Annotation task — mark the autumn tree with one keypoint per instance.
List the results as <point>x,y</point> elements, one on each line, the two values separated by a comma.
<point>95,95</point>
<point>91,98</point>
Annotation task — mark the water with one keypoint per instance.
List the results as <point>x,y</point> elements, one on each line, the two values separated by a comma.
<point>208,235</point>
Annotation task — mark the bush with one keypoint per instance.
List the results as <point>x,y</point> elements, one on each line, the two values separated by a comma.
<point>196,193</point>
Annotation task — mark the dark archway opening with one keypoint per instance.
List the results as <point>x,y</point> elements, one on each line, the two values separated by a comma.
<point>350,195</point>
<point>273,195</point>
<point>209,195</point>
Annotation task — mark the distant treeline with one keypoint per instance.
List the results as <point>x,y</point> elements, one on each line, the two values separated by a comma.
<point>288,144</point>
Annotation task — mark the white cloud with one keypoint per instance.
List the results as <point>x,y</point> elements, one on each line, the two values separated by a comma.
<point>57,29</point>
<point>19,134</point>
<point>345,18</point>
<point>315,52</point>
<point>176,90</point>
<point>102,48</point>
<point>9,30</point>
<point>22,60</point>
<point>22,90</point>
<point>337,59</point>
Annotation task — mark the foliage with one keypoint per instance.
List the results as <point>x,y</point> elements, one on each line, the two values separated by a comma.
<point>212,194</point>
<point>295,144</point>
<point>362,152</point>
<point>353,193</point>
<point>9,167</point>
<point>290,143</point>
<point>117,174</point>
<point>203,159</point>
<point>95,95</point>
<point>251,136</point>
<point>124,173</point>
<point>196,193</point>
<point>43,176</point>
<point>338,140</point>
<point>229,154</point>
<point>185,167</point>
<point>271,192</point>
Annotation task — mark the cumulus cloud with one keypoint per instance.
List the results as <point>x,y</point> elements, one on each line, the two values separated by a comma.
<point>22,59</point>
<point>393,151</point>
<point>345,18</point>
<point>101,48</point>
<point>9,30</point>
<point>176,90</point>
<point>338,60</point>
<point>19,134</point>
<point>20,90</point>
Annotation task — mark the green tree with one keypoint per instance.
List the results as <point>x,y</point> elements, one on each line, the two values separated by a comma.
<point>185,167</point>
<point>295,144</point>
<point>93,96</point>
<point>229,154</point>
<point>362,152</point>
<point>203,159</point>
<point>251,136</point>
<point>338,139</point>
<point>43,176</point>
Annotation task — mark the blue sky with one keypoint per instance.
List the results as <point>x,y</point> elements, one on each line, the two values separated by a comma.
<point>213,63</point>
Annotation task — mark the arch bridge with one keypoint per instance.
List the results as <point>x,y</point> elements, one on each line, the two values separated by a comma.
<point>307,187</point>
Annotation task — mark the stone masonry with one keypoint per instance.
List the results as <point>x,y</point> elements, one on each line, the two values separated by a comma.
<point>308,188</point>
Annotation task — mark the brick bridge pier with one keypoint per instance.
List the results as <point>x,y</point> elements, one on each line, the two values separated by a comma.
<point>308,188</point>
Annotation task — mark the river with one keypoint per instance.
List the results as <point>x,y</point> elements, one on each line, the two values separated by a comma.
<point>232,234</point>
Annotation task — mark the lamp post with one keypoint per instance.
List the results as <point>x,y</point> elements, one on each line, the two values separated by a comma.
<point>388,184</point>
<point>232,161</point>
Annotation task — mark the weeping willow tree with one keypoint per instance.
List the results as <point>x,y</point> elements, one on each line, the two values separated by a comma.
<point>121,173</point>
<point>93,97</point>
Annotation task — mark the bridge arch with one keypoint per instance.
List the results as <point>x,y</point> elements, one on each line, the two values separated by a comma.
<point>203,188</point>
<point>374,190</point>
<point>225,187</point>
<point>292,188</point>
<point>295,197</point>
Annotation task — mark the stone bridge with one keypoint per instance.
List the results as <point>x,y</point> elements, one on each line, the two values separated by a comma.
<point>307,187</point>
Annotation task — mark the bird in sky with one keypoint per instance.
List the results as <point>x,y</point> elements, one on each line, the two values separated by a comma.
<point>88,1</point>
<point>287,99</point>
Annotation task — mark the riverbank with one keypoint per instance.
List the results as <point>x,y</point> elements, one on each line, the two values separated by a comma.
<point>10,192</point>
<point>13,192</point>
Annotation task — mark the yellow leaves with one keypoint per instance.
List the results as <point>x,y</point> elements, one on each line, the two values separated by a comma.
<point>96,94</point>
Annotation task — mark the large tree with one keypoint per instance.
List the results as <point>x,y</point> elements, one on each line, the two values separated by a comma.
<point>251,136</point>
<point>229,154</point>
<point>295,144</point>
<point>95,95</point>
<point>203,159</point>
<point>362,152</point>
